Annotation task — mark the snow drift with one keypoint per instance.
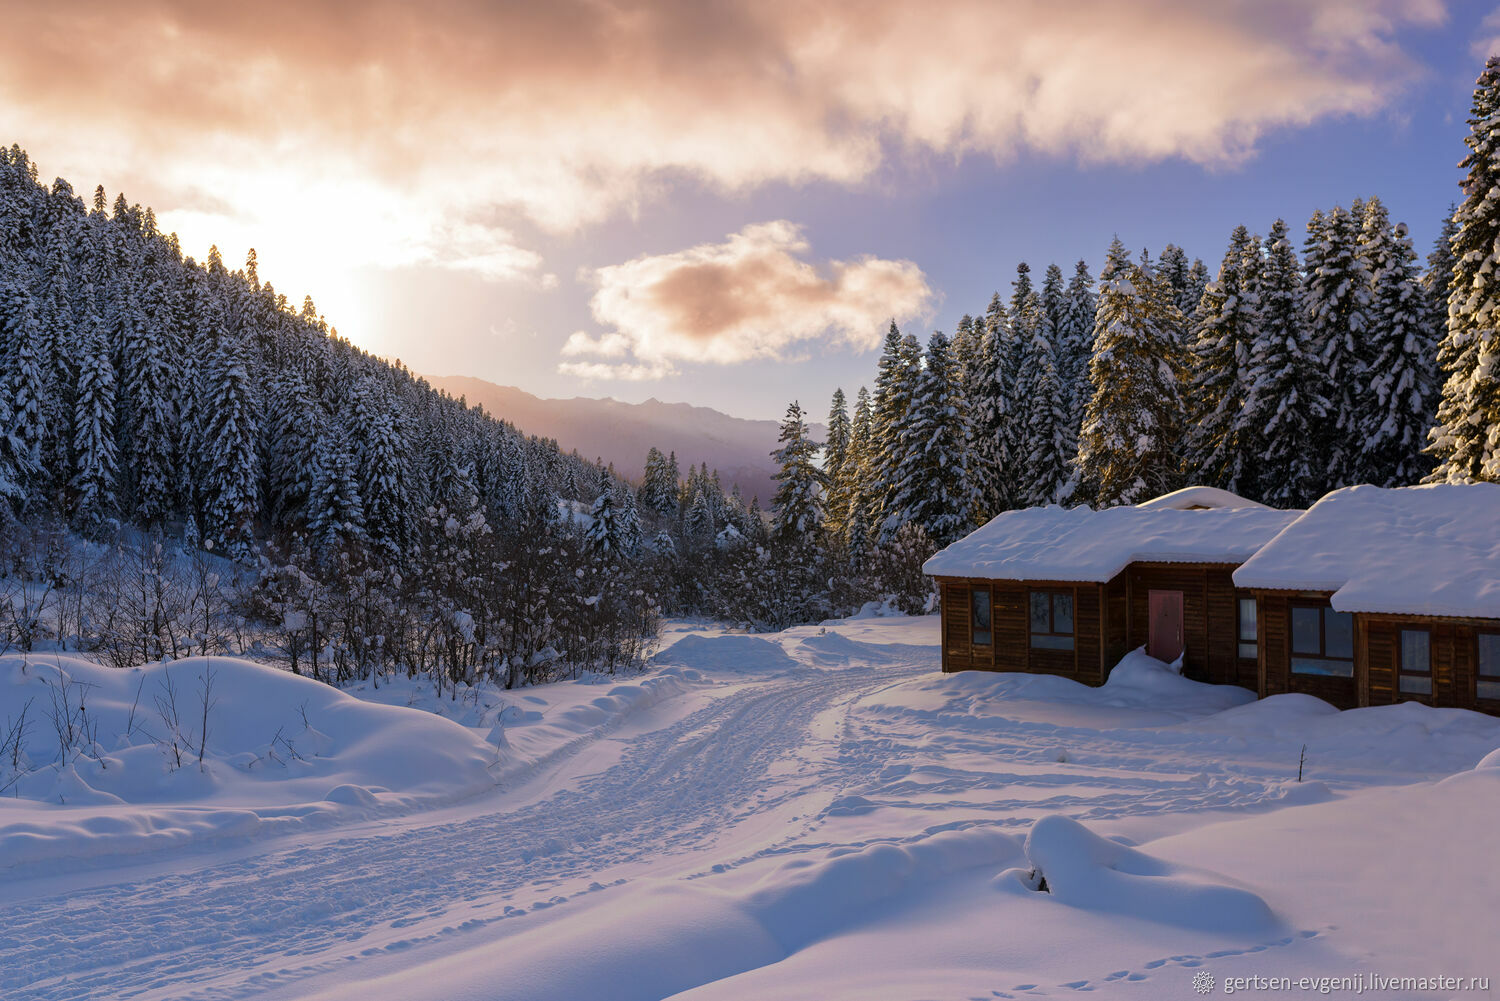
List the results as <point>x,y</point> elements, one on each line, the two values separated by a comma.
<point>1081,869</point>
<point>103,760</point>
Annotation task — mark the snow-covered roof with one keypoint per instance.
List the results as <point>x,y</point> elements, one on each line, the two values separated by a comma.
<point>1055,543</point>
<point>1430,550</point>
<point>1199,498</point>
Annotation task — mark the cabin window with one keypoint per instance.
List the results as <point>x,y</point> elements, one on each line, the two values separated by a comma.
<point>983,636</point>
<point>1487,680</point>
<point>1416,662</point>
<point>1322,641</point>
<point>1052,620</point>
<point>1248,628</point>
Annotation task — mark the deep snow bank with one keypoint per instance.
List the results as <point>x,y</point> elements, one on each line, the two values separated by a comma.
<point>114,761</point>
<point>1081,869</point>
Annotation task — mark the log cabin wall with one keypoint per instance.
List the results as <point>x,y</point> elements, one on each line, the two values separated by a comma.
<point>1210,626</point>
<point>1453,651</point>
<point>1010,648</point>
<point>1275,662</point>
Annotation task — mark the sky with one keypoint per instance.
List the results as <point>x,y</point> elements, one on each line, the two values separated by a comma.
<point>726,203</point>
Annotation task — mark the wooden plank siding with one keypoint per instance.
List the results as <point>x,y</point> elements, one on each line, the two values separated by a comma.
<point>1454,645</point>
<point>1010,626</point>
<point>1377,651</point>
<point>1210,627</point>
<point>1277,678</point>
<point>1110,619</point>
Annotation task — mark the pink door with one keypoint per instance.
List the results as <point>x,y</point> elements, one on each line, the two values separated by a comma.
<point>1164,635</point>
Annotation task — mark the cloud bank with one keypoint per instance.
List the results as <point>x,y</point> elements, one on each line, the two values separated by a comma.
<point>389,134</point>
<point>752,296</point>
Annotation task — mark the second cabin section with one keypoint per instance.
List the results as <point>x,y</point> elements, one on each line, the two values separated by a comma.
<point>1079,629</point>
<point>1071,591</point>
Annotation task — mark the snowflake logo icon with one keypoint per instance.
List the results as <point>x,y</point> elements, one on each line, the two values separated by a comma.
<point>1203,982</point>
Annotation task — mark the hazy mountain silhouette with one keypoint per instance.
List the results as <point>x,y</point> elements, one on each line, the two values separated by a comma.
<point>621,433</point>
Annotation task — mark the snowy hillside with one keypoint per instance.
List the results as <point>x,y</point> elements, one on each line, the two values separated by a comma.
<point>808,814</point>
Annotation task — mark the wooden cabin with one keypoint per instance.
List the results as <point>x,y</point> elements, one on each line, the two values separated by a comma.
<point>1372,596</point>
<point>1071,591</point>
<point>1380,596</point>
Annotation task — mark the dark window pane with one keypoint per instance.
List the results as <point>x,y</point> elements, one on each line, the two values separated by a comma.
<point>1248,651</point>
<point>1416,653</point>
<point>1323,668</point>
<point>1416,686</point>
<point>1044,642</point>
<point>1305,630</point>
<point>1040,608</point>
<point>1489,655</point>
<point>981,609</point>
<point>1062,613</point>
<point>1338,633</point>
<point>982,635</point>
<point>1247,620</point>
<point>1489,690</point>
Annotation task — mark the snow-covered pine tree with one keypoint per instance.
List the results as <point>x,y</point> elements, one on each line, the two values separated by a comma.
<point>628,521</point>
<point>1285,403</point>
<point>991,408</point>
<point>384,483</point>
<point>1054,304</point>
<point>23,407</point>
<point>1336,297</point>
<point>836,455</point>
<point>798,501</point>
<point>154,437</point>
<point>698,521</point>
<point>1174,269</point>
<point>1398,409</point>
<point>1116,261</point>
<point>95,470</point>
<point>603,533</point>
<point>1466,437</point>
<point>1221,448</point>
<point>658,493</point>
<point>1129,445</point>
<point>1438,274</point>
<point>335,509</point>
<point>895,384</point>
<point>1051,437</point>
<point>230,496</point>
<point>1075,343</point>
<point>933,486</point>
<point>854,518</point>
<point>292,445</point>
<point>1028,328</point>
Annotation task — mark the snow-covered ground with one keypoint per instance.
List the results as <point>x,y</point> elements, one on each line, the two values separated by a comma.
<point>810,814</point>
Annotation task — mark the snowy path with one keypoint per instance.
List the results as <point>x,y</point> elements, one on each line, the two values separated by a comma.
<point>228,930</point>
<point>780,815</point>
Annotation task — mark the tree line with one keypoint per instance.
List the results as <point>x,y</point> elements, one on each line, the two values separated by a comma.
<point>1279,378</point>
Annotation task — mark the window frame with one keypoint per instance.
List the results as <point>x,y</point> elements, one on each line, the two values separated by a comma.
<point>1071,636</point>
<point>1402,672</point>
<point>1322,656</point>
<point>1481,678</point>
<point>1239,629</point>
<point>974,591</point>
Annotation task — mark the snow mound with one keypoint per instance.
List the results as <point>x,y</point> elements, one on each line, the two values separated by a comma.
<point>1489,761</point>
<point>728,655</point>
<point>1083,870</point>
<point>803,900</point>
<point>833,649</point>
<point>126,767</point>
<point>1199,499</point>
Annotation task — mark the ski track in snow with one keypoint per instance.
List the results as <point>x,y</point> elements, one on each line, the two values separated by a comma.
<point>232,929</point>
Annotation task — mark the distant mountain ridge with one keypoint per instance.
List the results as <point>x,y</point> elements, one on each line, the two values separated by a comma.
<point>621,433</point>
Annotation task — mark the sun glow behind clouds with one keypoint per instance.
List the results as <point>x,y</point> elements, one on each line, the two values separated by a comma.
<point>385,135</point>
